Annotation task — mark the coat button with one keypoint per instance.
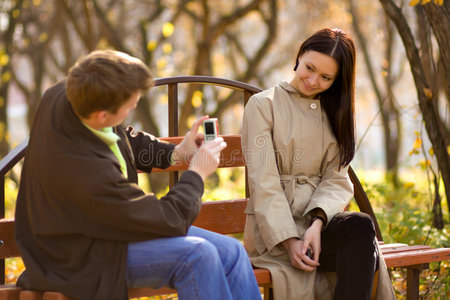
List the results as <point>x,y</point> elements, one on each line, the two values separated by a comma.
<point>313,105</point>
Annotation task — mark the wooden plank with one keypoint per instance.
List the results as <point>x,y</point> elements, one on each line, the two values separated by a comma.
<point>416,257</point>
<point>383,245</point>
<point>263,277</point>
<point>231,156</point>
<point>223,217</point>
<point>55,296</point>
<point>8,247</point>
<point>9,292</point>
<point>389,250</point>
<point>30,295</point>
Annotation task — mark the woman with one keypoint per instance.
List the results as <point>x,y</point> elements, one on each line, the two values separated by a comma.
<point>298,139</point>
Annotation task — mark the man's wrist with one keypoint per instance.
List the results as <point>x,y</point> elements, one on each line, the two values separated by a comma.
<point>199,171</point>
<point>176,155</point>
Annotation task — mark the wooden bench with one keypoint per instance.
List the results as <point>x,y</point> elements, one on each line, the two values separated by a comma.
<point>225,217</point>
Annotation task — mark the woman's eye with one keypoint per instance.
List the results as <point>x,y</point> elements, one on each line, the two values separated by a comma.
<point>308,68</point>
<point>326,78</point>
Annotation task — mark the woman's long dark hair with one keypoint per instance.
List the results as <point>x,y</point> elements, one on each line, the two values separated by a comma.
<point>339,100</point>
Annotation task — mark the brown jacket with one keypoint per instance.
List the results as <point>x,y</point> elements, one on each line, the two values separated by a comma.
<point>292,158</point>
<point>76,211</point>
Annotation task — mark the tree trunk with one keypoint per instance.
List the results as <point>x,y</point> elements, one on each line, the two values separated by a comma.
<point>434,126</point>
<point>438,17</point>
<point>390,115</point>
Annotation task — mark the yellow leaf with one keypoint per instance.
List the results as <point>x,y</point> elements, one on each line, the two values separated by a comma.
<point>439,2</point>
<point>163,99</point>
<point>413,151</point>
<point>26,42</point>
<point>425,2</point>
<point>16,13</point>
<point>6,76</point>
<point>448,149</point>
<point>408,185</point>
<point>414,2</point>
<point>37,2</point>
<point>167,48</point>
<point>424,163</point>
<point>151,45</point>
<point>4,59</point>
<point>2,130</point>
<point>43,37</point>
<point>417,143</point>
<point>161,63</point>
<point>428,93</point>
<point>167,29</point>
<point>190,121</point>
<point>197,99</point>
<point>431,151</point>
<point>384,73</point>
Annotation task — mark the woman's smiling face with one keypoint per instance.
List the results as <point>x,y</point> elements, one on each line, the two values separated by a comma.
<point>316,72</point>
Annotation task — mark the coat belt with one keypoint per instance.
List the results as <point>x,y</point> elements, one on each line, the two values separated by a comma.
<point>290,181</point>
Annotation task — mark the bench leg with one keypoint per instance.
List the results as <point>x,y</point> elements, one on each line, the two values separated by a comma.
<point>268,293</point>
<point>412,284</point>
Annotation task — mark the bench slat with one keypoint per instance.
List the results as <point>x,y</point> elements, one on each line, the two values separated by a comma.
<point>229,212</point>
<point>395,249</point>
<point>8,247</point>
<point>416,257</point>
<point>147,292</point>
<point>9,292</point>
<point>230,157</point>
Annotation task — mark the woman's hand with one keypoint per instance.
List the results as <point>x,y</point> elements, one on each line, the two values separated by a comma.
<point>312,239</point>
<point>296,249</point>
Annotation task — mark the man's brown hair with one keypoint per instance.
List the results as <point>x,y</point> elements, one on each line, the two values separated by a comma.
<point>105,80</point>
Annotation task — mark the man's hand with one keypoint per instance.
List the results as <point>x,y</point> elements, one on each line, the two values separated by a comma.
<point>207,158</point>
<point>190,144</point>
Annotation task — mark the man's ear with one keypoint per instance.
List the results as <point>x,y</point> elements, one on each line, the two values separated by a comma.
<point>100,117</point>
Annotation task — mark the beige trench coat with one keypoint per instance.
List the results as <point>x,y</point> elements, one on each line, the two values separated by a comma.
<point>277,122</point>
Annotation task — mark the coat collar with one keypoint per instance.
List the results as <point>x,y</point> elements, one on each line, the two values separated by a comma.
<point>289,88</point>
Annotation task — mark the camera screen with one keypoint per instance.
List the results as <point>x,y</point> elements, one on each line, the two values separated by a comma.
<point>209,128</point>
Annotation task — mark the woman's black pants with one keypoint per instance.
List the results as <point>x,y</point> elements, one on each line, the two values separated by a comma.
<point>349,249</point>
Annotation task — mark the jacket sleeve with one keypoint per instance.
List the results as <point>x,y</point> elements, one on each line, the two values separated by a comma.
<point>335,189</point>
<point>125,212</point>
<point>148,151</point>
<point>267,196</point>
<point>103,204</point>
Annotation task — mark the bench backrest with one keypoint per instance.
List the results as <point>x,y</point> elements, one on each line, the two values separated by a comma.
<point>224,217</point>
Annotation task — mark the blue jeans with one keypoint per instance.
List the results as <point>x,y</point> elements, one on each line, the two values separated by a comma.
<point>201,265</point>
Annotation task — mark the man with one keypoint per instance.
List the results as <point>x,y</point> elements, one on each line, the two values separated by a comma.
<point>83,225</point>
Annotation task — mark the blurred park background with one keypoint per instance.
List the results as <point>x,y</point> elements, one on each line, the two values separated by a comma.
<point>402,87</point>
